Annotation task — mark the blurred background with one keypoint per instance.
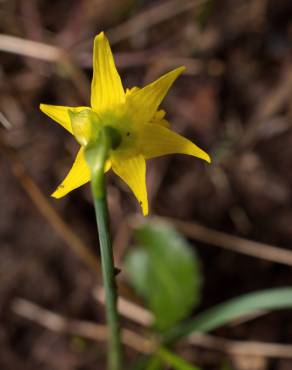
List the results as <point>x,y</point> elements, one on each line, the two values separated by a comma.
<point>234,101</point>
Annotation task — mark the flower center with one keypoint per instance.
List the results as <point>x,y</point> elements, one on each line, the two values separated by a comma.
<point>119,120</point>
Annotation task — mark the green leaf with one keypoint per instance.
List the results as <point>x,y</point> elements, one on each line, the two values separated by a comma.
<point>267,300</point>
<point>147,363</point>
<point>154,364</point>
<point>165,272</point>
<point>175,361</point>
<point>137,266</point>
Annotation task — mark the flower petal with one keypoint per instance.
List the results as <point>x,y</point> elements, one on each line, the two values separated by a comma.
<point>60,114</point>
<point>132,170</point>
<point>143,103</point>
<point>106,87</point>
<point>159,119</point>
<point>78,175</point>
<point>156,140</point>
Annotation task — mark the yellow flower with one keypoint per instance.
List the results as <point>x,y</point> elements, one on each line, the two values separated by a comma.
<point>134,113</point>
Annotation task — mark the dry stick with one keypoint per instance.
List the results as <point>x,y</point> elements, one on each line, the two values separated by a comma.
<point>4,121</point>
<point>276,98</point>
<point>151,17</point>
<point>54,54</point>
<point>29,48</point>
<point>272,103</point>
<point>140,22</point>
<point>234,243</point>
<point>238,348</point>
<point>147,19</point>
<point>127,309</point>
<point>143,317</point>
<point>48,53</point>
<point>43,205</point>
<point>61,324</point>
<point>86,329</point>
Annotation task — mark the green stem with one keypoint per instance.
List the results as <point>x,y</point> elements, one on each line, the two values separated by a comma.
<point>114,344</point>
<point>96,156</point>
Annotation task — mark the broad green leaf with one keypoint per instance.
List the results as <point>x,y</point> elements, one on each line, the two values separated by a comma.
<point>176,362</point>
<point>165,271</point>
<point>267,300</point>
<point>137,267</point>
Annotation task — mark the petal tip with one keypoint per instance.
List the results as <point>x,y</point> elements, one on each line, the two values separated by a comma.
<point>42,107</point>
<point>208,158</point>
<point>144,207</point>
<point>179,70</point>
<point>58,193</point>
<point>182,68</point>
<point>100,36</point>
<point>55,195</point>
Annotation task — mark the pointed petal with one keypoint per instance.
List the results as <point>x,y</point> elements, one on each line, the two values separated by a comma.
<point>60,114</point>
<point>143,103</point>
<point>132,170</point>
<point>78,175</point>
<point>156,140</point>
<point>106,87</point>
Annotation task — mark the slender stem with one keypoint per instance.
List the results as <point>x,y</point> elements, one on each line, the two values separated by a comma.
<point>96,155</point>
<point>114,344</point>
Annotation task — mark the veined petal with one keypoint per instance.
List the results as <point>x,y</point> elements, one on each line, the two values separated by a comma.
<point>132,171</point>
<point>143,103</point>
<point>106,87</point>
<point>156,140</point>
<point>158,117</point>
<point>78,175</point>
<point>60,114</point>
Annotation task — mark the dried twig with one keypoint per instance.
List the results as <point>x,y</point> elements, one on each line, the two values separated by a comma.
<point>138,23</point>
<point>148,18</point>
<point>271,104</point>
<point>48,53</point>
<point>234,243</point>
<point>86,329</point>
<point>4,121</point>
<point>46,209</point>
<point>29,48</point>
<point>143,317</point>
<point>127,309</point>
<point>236,347</point>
